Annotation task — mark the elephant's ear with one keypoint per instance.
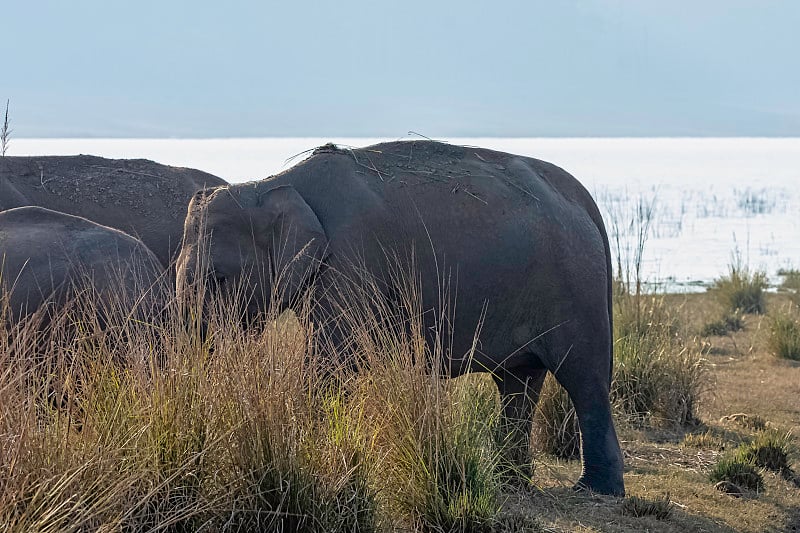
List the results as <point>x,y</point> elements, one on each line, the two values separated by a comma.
<point>295,238</point>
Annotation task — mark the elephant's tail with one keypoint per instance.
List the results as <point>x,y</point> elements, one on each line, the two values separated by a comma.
<point>610,283</point>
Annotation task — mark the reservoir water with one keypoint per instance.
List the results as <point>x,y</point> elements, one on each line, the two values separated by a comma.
<point>707,198</point>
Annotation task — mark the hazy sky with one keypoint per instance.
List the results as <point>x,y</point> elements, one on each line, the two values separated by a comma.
<point>375,68</point>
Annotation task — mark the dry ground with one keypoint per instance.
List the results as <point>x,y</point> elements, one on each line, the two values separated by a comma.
<point>744,378</point>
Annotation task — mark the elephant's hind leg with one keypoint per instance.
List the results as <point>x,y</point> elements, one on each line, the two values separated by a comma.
<point>519,393</point>
<point>584,371</point>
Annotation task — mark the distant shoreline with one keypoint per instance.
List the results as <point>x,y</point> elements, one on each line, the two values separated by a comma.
<point>710,195</point>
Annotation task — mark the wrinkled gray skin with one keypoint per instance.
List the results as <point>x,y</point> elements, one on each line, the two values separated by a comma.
<point>45,255</point>
<point>142,198</point>
<point>524,240</point>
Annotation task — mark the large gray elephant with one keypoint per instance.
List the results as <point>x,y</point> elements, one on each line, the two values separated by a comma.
<point>142,198</point>
<point>46,256</point>
<point>521,239</point>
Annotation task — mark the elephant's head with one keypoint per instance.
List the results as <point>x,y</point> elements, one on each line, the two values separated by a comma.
<point>261,240</point>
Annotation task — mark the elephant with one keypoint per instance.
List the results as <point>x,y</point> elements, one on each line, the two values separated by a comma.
<point>46,256</point>
<point>139,197</point>
<point>524,239</point>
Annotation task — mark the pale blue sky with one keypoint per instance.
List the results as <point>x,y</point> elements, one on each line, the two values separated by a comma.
<point>371,68</point>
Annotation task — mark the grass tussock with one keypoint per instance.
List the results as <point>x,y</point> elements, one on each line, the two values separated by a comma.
<point>784,334</point>
<point>770,449</point>
<point>638,506</point>
<point>742,289</point>
<point>658,376</point>
<point>441,462</point>
<point>741,472</point>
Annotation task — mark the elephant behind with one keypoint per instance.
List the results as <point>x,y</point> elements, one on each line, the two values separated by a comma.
<point>140,197</point>
<point>522,237</point>
<point>47,256</point>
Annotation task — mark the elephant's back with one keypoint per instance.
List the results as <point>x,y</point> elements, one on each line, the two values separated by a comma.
<point>127,183</point>
<point>137,196</point>
<point>474,189</point>
<point>440,171</point>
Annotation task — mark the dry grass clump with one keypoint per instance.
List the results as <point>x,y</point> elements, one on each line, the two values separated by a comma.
<point>742,289</point>
<point>441,461</point>
<point>638,506</point>
<point>231,433</point>
<point>707,439</point>
<point>784,334</point>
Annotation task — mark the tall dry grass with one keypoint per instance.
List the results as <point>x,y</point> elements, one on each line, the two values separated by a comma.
<point>5,133</point>
<point>161,423</point>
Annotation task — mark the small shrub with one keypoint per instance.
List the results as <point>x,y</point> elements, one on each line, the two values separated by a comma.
<point>638,506</point>
<point>731,321</point>
<point>742,289</point>
<point>784,335</point>
<point>740,471</point>
<point>555,424</point>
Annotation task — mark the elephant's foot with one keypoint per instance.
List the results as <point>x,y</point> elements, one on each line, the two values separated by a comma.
<point>611,485</point>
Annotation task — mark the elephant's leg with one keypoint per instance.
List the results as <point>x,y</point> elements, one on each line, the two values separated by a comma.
<point>585,374</point>
<point>519,392</point>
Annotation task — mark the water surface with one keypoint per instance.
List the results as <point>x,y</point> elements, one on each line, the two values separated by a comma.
<point>709,197</point>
